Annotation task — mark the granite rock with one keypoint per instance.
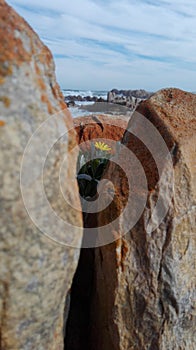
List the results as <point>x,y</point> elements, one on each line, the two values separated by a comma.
<point>103,127</point>
<point>36,271</point>
<point>144,281</point>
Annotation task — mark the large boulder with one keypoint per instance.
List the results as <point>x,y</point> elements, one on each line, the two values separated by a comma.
<point>144,281</point>
<point>37,253</point>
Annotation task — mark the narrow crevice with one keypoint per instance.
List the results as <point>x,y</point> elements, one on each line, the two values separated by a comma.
<point>80,319</point>
<point>78,325</point>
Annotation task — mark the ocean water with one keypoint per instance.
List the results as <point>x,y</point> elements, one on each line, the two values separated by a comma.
<point>83,93</point>
<point>76,111</point>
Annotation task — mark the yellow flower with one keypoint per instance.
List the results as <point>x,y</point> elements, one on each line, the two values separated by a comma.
<point>102,146</point>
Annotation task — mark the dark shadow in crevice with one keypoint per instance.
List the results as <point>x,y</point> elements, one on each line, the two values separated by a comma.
<point>78,326</point>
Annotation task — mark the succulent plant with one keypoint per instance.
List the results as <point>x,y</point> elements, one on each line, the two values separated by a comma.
<point>90,168</point>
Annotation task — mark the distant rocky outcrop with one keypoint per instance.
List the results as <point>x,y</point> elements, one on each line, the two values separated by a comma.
<point>71,99</point>
<point>35,271</point>
<point>143,94</point>
<point>128,98</point>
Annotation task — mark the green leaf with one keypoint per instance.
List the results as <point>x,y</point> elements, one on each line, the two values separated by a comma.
<point>100,169</point>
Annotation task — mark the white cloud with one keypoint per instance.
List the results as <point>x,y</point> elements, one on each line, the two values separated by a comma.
<point>129,44</point>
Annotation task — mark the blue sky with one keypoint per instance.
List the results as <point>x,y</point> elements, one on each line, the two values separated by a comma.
<point>130,44</point>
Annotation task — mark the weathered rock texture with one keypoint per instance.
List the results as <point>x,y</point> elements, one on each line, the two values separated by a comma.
<point>35,272</point>
<point>99,127</point>
<point>129,98</point>
<point>144,285</point>
<point>143,94</point>
<point>106,128</point>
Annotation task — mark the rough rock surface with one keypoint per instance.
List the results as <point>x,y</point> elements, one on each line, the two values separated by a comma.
<point>143,94</point>
<point>99,127</point>
<point>105,128</point>
<point>35,271</point>
<point>144,284</point>
<point>130,102</point>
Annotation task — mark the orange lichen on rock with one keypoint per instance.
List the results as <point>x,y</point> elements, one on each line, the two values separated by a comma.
<point>58,95</point>
<point>5,100</point>
<point>45,56</point>
<point>15,52</point>
<point>45,99</point>
<point>37,70</point>
<point>10,23</point>
<point>56,91</point>
<point>2,122</point>
<point>5,70</point>
<point>39,80</point>
<point>2,80</point>
<point>170,106</point>
<point>26,102</point>
<point>41,84</point>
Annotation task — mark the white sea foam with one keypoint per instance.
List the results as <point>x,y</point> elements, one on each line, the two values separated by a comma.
<point>75,111</point>
<point>84,93</point>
